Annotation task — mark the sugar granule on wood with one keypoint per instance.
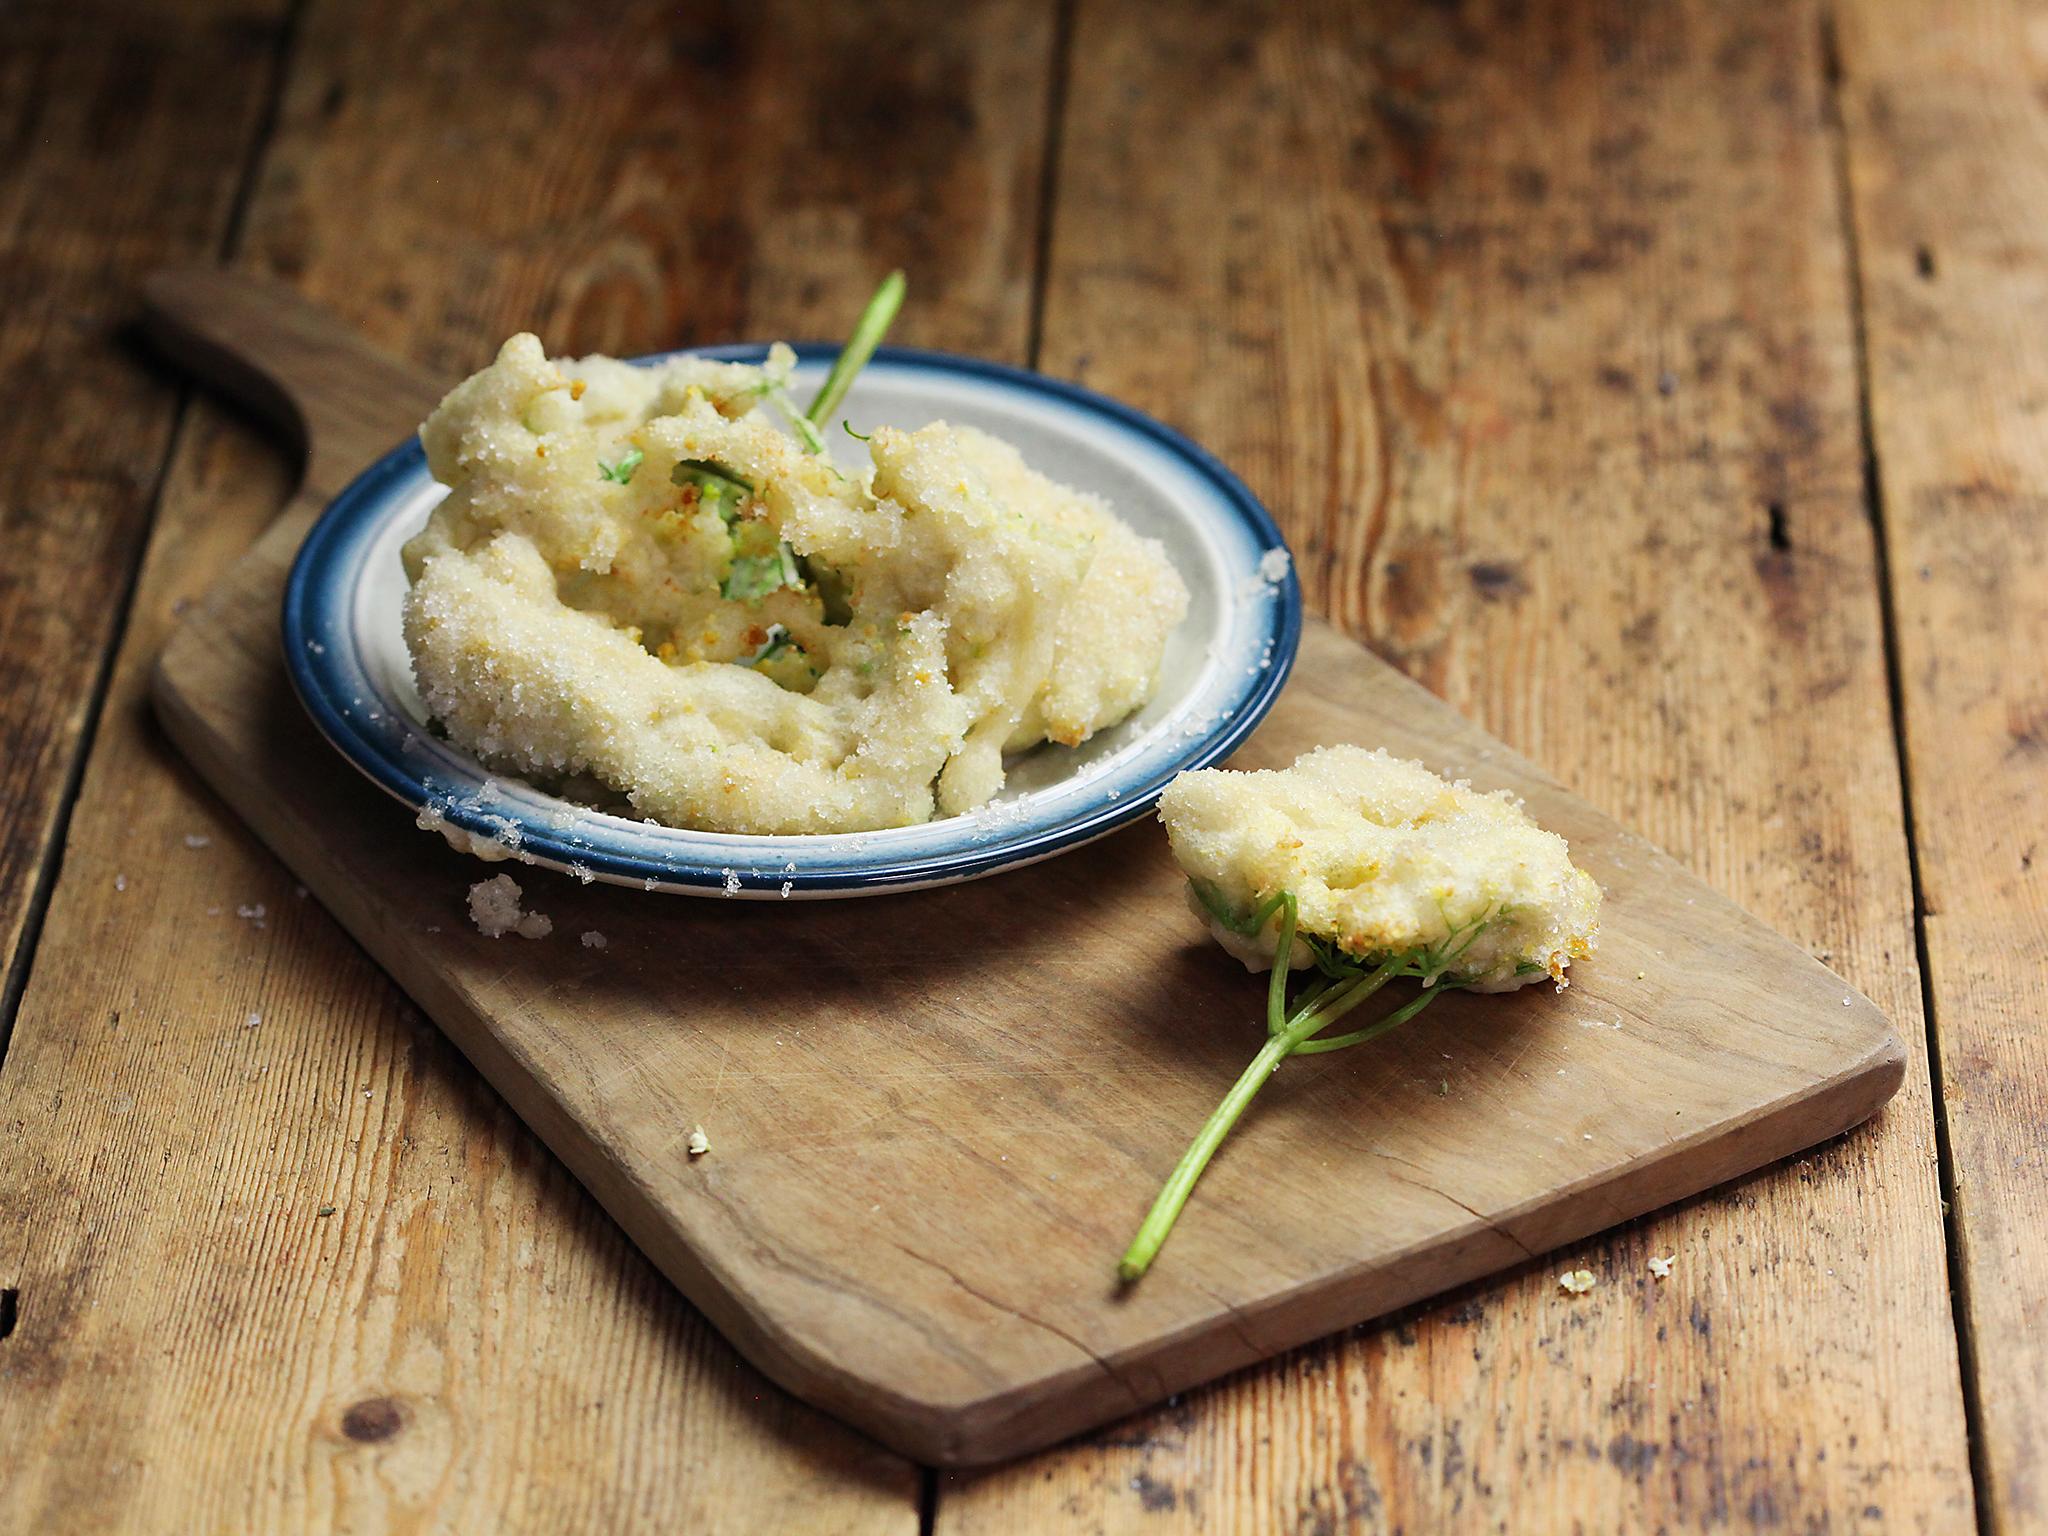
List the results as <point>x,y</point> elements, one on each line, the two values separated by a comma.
<point>494,908</point>
<point>1577,1281</point>
<point>1660,1265</point>
<point>699,1143</point>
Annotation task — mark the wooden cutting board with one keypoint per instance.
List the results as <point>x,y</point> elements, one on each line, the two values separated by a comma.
<point>936,1118</point>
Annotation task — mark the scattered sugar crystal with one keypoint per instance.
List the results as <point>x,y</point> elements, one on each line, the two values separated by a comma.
<point>1273,564</point>
<point>1660,1266</point>
<point>120,882</point>
<point>494,908</point>
<point>732,882</point>
<point>582,873</point>
<point>196,840</point>
<point>255,1018</point>
<point>592,939</point>
<point>1577,1281</point>
<point>699,1143</point>
<point>787,886</point>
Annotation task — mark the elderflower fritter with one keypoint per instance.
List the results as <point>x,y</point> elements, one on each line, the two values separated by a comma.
<point>1372,871</point>
<point>1382,858</point>
<point>639,580</point>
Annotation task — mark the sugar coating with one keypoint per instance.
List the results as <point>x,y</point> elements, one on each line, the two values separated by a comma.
<point>1384,857</point>
<point>564,625</point>
<point>494,908</point>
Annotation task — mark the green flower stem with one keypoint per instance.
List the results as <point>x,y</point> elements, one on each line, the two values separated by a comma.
<point>1332,1003</point>
<point>1288,1034</point>
<point>807,434</point>
<point>1283,951</point>
<point>1371,1031</point>
<point>1181,1182</point>
<point>867,335</point>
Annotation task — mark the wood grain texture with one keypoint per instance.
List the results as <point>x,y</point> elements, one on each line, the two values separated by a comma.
<point>1523,320</point>
<point>1947,146</point>
<point>467,1343</point>
<point>902,1101</point>
<point>127,130</point>
<point>645,175</point>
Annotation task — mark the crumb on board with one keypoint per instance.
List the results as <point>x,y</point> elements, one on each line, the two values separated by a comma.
<point>699,1143</point>
<point>592,939</point>
<point>1660,1265</point>
<point>494,908</point>
<point>1577,1281</point>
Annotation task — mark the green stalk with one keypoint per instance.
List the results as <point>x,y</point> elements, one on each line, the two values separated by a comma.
<point>1287,1035</point>
<point>1181,1182</point>
<point>867,335</point>
<point>1371,1031</point>
<point>1283,952</point>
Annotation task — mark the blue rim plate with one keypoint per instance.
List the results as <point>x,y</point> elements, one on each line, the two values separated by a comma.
<point>1223,668</point>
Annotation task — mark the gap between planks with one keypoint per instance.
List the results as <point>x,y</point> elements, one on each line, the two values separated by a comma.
<point>1888,625</point>
<point>44,882</point>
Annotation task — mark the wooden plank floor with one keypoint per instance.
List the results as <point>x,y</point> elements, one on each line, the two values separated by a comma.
<point>1655,383</point>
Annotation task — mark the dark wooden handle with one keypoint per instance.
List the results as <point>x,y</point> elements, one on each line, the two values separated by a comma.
<point>297,365</point>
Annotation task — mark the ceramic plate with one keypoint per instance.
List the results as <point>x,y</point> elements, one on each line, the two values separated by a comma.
<point>1222,670</point>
